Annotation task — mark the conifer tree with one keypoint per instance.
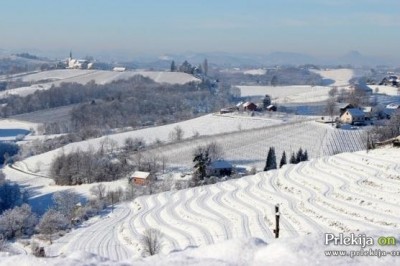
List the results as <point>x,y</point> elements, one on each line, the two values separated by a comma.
<point>299,155</point>
<point>283,160</point>
<point>293,159</point>
<point>271,160</point>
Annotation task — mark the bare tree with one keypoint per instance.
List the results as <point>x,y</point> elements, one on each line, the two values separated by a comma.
<point>151,242</point>
<point>176,134</point>
<point>330,107</point>
<point>99,191</point>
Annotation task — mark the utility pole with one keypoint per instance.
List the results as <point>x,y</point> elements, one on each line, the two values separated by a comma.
<point>277,214</point>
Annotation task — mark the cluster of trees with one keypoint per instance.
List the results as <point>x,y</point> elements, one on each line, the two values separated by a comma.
<point>11,195</point>
<point>186,67</point>
<point>135,102</point>
<point>7,150</point>
<point>273,77</point>
<point>66,211</point>
<point>295,158</point>
<point>83,167</point>
<point>202,157</point>
<point>390,129</point>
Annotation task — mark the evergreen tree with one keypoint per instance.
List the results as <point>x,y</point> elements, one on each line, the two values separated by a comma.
<point>305,156</point>
<point>173,66</point>
<point>201,160</point>
<point>293,159</point>
<point>299,156</point>
<point>283,160</point>
<point>271,160</point>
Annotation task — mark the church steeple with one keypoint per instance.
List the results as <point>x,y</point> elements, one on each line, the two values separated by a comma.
<point>70,54</point>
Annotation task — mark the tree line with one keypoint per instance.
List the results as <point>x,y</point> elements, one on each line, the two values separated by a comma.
<point>295,158</point>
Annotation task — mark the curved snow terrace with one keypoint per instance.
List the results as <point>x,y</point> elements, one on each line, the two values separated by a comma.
<point>56,77</point>
<point>349,192</point>
<point>202,126</point>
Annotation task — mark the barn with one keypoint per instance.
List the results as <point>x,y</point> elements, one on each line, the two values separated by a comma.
<point>140,178</point>
<point>249,106</point>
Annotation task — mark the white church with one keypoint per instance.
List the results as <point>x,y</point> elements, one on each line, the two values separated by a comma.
<point>72,63</point>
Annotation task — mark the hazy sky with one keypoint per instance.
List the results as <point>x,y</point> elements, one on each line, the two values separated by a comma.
<point>316,27</point>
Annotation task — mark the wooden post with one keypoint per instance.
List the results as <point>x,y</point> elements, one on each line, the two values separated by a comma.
<point>277,214</point>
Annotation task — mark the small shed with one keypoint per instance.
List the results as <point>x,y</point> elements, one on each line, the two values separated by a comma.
<point>249,106</point>
<point>140,178</point>
<point>352,115</point>
<point>219,168</point>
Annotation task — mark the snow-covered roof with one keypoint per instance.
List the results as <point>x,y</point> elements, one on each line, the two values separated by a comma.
<point>355,112</point>
<point>140,174</point>
<point>367,109</point>
<point>393,106</point>
<point>220,164</point>
<point>246,104</point>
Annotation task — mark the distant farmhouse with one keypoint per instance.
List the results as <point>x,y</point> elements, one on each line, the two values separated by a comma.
<point>219,168</point>
<point>352,115</point>
<point>140,178</point>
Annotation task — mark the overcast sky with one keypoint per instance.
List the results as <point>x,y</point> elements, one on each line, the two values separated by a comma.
<point>315,27</point>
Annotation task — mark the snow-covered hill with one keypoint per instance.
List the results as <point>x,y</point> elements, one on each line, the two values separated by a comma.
<point>350,192</point>
<point>46,79</point>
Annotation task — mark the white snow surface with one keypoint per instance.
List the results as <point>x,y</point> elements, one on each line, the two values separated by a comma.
<point>230,221</point>
<point>55,77</point>
<point>255,72</point>
<point>388,90</point>
<point>207,125</point>
<point>341,77</point>
<point>288,94</point>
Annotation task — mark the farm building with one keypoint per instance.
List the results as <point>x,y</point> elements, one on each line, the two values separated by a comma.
<point>352,115</point>
<point>249,106</point>
<point>219,168</point>
<point>344,106</point>
<point>140,178</point>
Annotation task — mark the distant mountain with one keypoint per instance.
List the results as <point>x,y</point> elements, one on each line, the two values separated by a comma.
<point>355,58</point>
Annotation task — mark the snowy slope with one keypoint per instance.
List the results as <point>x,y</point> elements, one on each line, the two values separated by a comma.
<point>205,126</point>
<point>304,250</point>
<point>288,94</point>
<point>341,77</point>
<point>55,77</point>
<point>350,192</point>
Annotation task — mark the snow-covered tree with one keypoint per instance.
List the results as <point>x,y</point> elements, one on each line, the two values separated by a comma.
<point>17,221</point>
<point>52,222</point>
<point>66,202</point>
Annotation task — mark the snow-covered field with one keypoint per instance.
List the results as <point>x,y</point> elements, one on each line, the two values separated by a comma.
<point>288,94</point>
<point>249,149</point>
<point>340,77</point>
<point>388,90</point>
<point>55,77</point>
<point>207,125</point>
<point>351,192</point>
<point>255,72</point>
